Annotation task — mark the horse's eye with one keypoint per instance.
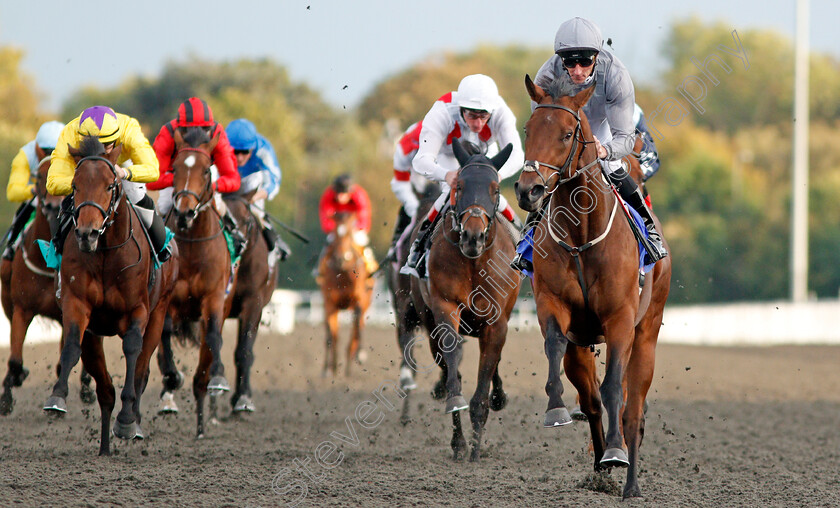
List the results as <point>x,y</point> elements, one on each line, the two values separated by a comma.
<point>568,136</point>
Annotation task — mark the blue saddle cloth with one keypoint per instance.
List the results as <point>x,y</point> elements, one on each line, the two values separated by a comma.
<point>526,245</point>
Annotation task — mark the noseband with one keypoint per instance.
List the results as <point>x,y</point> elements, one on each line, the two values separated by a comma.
<point>533,166</point>
<point>202,202</point>
<point>116,194</point>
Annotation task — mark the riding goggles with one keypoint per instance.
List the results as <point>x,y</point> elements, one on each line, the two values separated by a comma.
<point>583,61</point>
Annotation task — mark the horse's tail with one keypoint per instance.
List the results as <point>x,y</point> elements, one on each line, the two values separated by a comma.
<point>187,333</point>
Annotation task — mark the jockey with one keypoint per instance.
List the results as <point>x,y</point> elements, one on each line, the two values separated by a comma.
<point>579,56</point>
<point>345,196</point>
<point>136,166</point>
<point>260,172</point>
<point>476,114</point>
<point>649,157</point>
<point>21,188</point>
<point>194,112</point>
<point>405,182</point>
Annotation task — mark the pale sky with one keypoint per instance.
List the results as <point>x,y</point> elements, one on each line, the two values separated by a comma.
<point>332,43</point>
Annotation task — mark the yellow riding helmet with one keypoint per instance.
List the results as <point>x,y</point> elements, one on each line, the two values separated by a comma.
<point>100,121</point>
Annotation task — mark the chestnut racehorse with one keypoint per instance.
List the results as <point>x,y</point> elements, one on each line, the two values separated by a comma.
<point>344,285</point>
<point>109,284</point>
<point>586,280</point>
<point>34,289</point>
<point>471,290</point>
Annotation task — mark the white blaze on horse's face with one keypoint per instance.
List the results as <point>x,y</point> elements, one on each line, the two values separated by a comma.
<point>341,230</point>
<point>190,161</point>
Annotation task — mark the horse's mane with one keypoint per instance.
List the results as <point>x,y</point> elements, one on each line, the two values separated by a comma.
<point>91,146</point>
<point>562,86</point>
<point>195,136</point>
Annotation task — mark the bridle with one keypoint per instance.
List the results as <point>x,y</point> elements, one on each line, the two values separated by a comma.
<point>116,195</point>
<point>473,210</point>
<point>533,166</point>
<point>205,199</point>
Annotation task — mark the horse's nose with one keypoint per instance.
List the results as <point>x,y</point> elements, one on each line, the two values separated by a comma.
<point>87,238</point>
<point>529,197</point>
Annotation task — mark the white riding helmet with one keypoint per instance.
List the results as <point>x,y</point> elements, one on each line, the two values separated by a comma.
<point>578,33</point>
<point>47,136</point>
<point>478,91</point>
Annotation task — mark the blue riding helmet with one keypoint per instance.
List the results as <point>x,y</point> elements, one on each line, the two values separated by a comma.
<point>242,134</point>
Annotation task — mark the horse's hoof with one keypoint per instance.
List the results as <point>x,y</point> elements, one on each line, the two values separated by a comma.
<point>456,403</point>
<point>87,395</point>
<point>179,380</point>
<point>124,431</point>
<point>7,404</point>
<point>578,415</point>
<point>167,404</point>
<point>56,405</point>
<point>244,404</point>
<point>213,421</point>
<point>614,457</point>
<point>21,377</point>
<point>407,382</point>
<point>361,356</point>
<point>498,400</point>
<point>140,435</point>
<point>218,383</point>
<point>557,417</point>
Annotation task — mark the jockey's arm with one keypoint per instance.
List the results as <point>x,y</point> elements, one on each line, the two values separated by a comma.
<point>20,188</point>
<point>270,171</point>
<point>619,111</point>
<point>163,146</point>
<point>436,126</point>
<point>506,128</point>
<point>62,166</point>
<point>225,161</point>
<point>326,211</point>
<point>364,213</point>
<point>137,148</point>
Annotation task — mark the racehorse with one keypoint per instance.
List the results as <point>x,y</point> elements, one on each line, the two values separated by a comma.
<point>255,283</point>
<point>586,280</point>
<point>344,285</point>
<point>471,290</point>
<point>33,293</point>
<point>202,297</point>
<point>109,284</point>
<point>406,316</point>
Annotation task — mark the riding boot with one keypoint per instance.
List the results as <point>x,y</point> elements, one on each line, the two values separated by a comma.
<point>22,215</point>
<point>630,192</point>
<point>403,220</point>
<point>519,263</point>
<point>154,224</point>
<point>232,227</point>
<point>65,224</point>
<point>272,239</point>
<point>418,248</point>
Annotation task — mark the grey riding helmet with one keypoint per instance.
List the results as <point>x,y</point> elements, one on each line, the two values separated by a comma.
<point>578,37</point>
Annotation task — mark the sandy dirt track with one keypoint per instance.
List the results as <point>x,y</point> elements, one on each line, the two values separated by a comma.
<point>726,427</point>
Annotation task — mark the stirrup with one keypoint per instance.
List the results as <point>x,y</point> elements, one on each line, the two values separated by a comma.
<point>521,264</point>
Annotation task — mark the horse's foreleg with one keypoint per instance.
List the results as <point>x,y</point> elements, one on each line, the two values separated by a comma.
<point>619,334</point>
<point>151,340</point>
<point>249,322</point>
<point>93,359</point>
<point>86,393</point>
<point>355,339</point>
<point>581,371</point>
<point>639,378</point>
<point>71,351</point>
<point>213,338</point>
<point>125,426</point>
<point>202,376</point>
<point>16,372</point>
<point>555,348</point>
<point>331,356</point>
<point>490,345</point>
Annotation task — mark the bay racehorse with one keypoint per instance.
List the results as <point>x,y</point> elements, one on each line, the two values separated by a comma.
<point>471,290</point>
<point>109,284</point>
<point>28,289</point>
<point>255,283</point>
<point>587,280</point>
<point>344,285</point>
<point>203,294</point>
<point>406,317</point>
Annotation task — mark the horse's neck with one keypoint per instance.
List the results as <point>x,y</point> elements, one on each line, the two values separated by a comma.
<point>206,222</point>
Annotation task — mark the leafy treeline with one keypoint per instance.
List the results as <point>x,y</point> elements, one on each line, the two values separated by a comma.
<point>724,136</point>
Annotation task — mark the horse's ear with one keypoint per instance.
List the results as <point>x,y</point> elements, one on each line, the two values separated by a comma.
<point>583,97</point>
<point>214,141</point>
<point>500,158</point>
<point>75,153</point>
<point>537,94</point>
<point>459,151</point>
<point>115,153</point>
<point>178,136</point>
